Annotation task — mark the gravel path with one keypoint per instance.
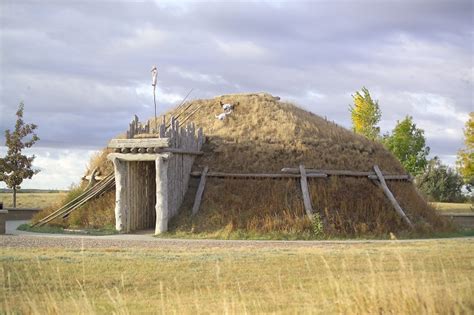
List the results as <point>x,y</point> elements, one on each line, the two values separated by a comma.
<point>145,239</point>
<point>36,240</point>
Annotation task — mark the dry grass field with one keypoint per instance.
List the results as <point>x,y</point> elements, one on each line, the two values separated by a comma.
<point>32,200</point>
<point>453,207</point>
<point>425,277</point>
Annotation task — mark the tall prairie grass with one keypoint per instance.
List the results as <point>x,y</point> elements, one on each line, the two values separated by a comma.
<point>431,277</point>
<point>273,209</point>
<point>97,213</point>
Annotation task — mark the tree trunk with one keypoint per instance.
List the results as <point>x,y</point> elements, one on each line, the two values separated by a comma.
<point>14,197</point>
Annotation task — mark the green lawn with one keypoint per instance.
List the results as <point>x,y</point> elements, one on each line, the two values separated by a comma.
<point>428,277</point>
<point>453,207</point>
<point>31,200</point>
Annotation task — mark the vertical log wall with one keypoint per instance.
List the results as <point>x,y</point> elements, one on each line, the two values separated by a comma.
<point>180,165</point>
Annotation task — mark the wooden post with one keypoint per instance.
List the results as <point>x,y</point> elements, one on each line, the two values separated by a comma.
<point>129,195</point>
<point>200,191</point>
<point>161,207</point>
<point>305,191</point>
<point>121,202</point>
<point>162,130</point>
<point>382,184</point>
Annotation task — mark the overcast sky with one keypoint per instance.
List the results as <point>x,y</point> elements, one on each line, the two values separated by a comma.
<point>83,67</point>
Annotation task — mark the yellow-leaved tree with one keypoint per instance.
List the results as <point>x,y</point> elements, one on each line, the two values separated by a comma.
<point>465,160</point>
<point>365,114</point>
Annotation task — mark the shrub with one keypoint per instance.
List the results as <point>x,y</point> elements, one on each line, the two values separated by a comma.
<point>317,225</point>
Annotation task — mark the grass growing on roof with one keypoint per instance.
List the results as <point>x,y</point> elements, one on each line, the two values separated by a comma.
<point>264,135</point>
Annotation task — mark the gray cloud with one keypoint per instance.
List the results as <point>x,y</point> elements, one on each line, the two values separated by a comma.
<point>82,68</point>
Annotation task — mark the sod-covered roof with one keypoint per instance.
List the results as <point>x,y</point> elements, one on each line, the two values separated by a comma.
<point>264,134</point>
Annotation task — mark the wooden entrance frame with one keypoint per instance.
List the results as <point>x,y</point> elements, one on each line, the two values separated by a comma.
<point>152,168</point>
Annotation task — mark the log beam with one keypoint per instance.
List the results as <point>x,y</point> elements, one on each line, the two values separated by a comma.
<point>161,207</point>
<point>139,143</point>
<point>383,185</point>
<point>304,189</point>
<point>254,175</point>
<point>200,191</point>
<point>121,200</point>
<point>370,175</point>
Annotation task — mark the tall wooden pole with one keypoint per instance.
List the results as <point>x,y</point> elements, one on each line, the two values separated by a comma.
<point>154,75</point>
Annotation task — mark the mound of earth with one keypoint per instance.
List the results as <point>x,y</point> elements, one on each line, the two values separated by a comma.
<point>264,135</point>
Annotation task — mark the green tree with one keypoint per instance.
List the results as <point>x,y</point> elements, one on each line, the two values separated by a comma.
<point>465,161</point>
<point>365,114</point>
<point>408,144</point>
<point>440,182</point>
<point>15,167</point>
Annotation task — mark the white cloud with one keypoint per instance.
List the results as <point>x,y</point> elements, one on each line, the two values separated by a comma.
<point>176,7</point>
<point>448,159</point>
<point>199,77</point>
<point>447,131</point>
<point>59,168</point>
<point>145,38</point>
<point>307,99</point>
<point>315,95</point>
<point>436,115</point>
<point>433,104</point>
<point>146,91</point>
<point>241,49</point>
<point>69,93</point>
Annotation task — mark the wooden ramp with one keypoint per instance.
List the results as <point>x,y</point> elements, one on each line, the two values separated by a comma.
<point>99,189</point>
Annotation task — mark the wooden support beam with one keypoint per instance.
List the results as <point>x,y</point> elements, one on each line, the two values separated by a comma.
<point>87,195</point>
<point>147,136</point>
<point>181,151</point>
<point>200,191</point>
<point>139,143</point>
<point>149,156</point>
<point>304,189</point>
<point>393,177</point>
<point>382,184</point>
<point>370,175</point>
<point>133,157</point>
<point>185,119</point>
<point>318,174</point>
<point>161,206</point>
<point>291,170</point>
<point>254,175</point>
